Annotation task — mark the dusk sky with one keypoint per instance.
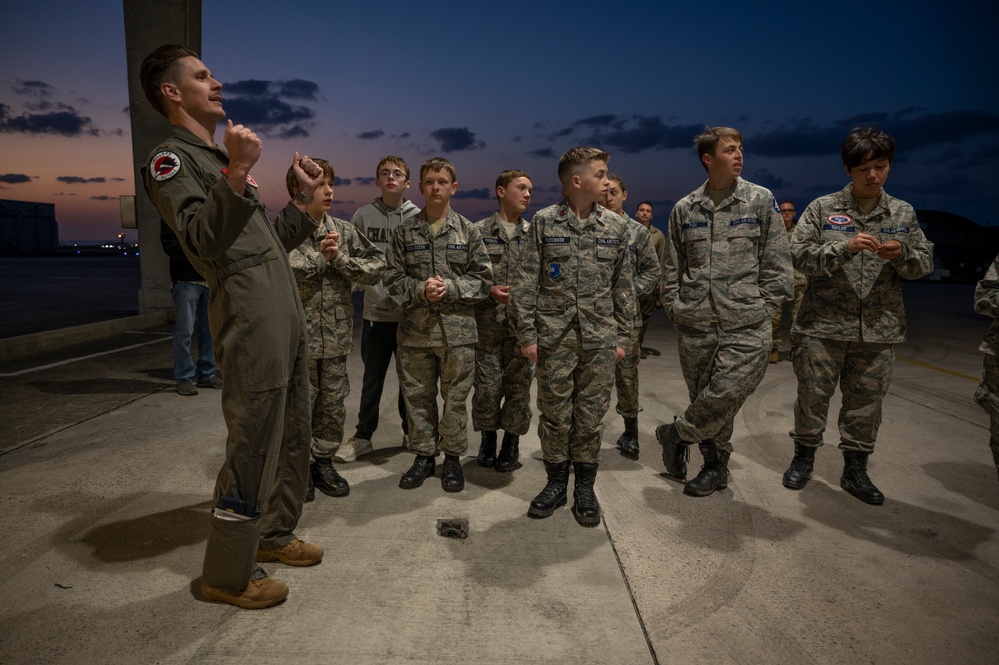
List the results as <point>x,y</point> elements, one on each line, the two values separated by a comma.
<point>493,86</point>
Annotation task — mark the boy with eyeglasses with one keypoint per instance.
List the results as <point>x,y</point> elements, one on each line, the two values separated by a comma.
<point>381,315</point>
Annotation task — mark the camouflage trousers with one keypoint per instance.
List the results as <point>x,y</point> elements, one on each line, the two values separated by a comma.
<point>987,397</point>
<point>647,307</point>
<point>502,397</point>
<point>626,379</point>
<point>721,369</point>
<point>574,387</point>
<point>863,371</point>
<point>329,388</point>
<point>420,370</point>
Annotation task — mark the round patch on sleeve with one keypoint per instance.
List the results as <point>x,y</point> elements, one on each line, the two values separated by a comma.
<point>164,165</point>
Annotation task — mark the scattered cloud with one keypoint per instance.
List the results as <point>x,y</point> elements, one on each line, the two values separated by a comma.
<point>340,182</point>
<point>640,133</point>
<point>373,134</point>
<point>65,122</point>
<point>262,106</point>
<point>33,88</point>
<point>77,180</point>
<point>453,139</point>
<point>544,153</point>
<point>103,197</point>
<point>14,178</point>
<point>482,193</point>
<point>364,181</point>
<point>605,120</point>
<point>765,178</point>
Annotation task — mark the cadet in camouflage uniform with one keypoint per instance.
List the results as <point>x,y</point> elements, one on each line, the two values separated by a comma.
<point>438,269</point>
<point>643,213</point>
<point>207,197</point>
<point>646,273</point>
<point>503,375</point>
<point>854,246</point>
<point>987,395</point>
<point>574,312</point>
<point>727,272</point>
<point>786,209</point>
<point>325,265</point>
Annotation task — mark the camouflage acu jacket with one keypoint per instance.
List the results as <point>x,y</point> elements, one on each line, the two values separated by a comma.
<point>492,317</point>
<point>459,256</point>
<point>856,297</point>
<point>728,266</point>
<point>574,269</point>
<point>324,286</point>
<point>987,303</point>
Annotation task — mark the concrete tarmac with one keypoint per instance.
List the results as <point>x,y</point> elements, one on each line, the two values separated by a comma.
<point>106,477</point>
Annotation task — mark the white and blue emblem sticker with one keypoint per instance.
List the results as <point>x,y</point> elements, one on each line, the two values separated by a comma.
<point>840,220</point>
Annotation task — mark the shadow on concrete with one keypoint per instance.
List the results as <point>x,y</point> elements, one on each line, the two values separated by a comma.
<point>97,385</point>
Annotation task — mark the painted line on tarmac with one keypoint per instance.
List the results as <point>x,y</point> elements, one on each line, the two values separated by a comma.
<point>942,370</point>
<point>73,360</point>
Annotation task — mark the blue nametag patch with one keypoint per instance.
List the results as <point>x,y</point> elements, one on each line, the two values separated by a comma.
<point>554,270</point>
<point>744,220</point>
<point>493,241</point>
<point>834,227</point>
<point>894,230</point>
<point>452,245</point>
<point>556,240</point>
<point>608,241</point>
<point>693,225</point>
<point>417,248</point>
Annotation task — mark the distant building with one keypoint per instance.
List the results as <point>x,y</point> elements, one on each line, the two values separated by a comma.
<point>28,228</point>
<point>962,249</point>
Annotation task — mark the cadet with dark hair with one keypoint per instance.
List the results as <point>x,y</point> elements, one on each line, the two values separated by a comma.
<point>207,197</point>
<point>503,376</point>
<point>855,246</point>
<point>728,270</point>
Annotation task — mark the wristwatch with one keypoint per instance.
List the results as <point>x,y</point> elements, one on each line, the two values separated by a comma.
<point>304,198</point>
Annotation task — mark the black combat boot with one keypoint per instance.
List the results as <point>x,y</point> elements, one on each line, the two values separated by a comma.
<point>327,480</point>
<point>800,471</point>
<point>553,494</point>
<point>453,478</point>
<point>855,479</point>
<point>585,506</point>
<point>628,442</point>
<point>676,452</point>
<point>423,467</point>
<point>487,449</point>
<point>310,489</point>
<point>714,473</point>
<point>509,455</point>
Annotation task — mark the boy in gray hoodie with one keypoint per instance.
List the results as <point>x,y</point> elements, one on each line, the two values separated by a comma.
<point>381,314</point>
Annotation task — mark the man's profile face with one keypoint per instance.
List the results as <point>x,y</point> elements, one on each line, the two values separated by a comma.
<point>592,180</point>
<point>644,214</point>
<point>727,160</point>
<point>199,94</point>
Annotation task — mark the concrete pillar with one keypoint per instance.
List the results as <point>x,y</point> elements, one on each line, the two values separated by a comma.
<point>149,24</point>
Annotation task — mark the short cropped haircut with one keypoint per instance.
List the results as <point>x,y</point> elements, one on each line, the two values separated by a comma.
<point>616,178</point>
<point>292,182</point>
<point>867,143</point>
<point>438,164</point>
<point>787,201</point>
<point>508,176</point>
<point>160,66</point>
<point>576,158</point>
<point>709,139</point>
<point>392,159</point>
<point>645,203</point>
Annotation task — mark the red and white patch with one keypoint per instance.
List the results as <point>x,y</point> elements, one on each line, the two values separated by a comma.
<point>164,165</point>
<point>840,220</point>
<point>249,180</point>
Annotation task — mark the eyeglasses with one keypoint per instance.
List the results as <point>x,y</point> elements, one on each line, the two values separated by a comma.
<point>395,175</point>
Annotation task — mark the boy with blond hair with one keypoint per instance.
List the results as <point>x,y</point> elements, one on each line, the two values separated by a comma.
<point>380,320</point>
<point>503,376</point>
<point>438,269</point>
<point>574,309</point>
<point>325,265</point>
